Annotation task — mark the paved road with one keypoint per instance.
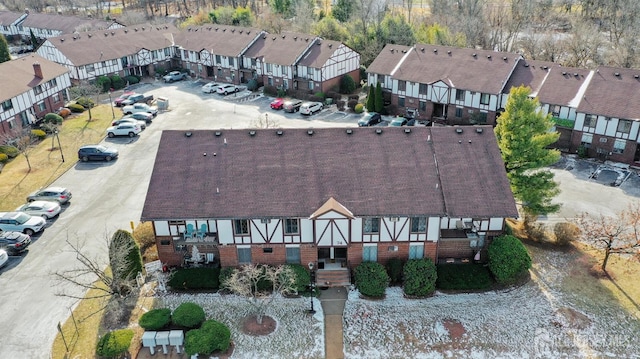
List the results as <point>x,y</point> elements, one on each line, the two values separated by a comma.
<point>106,197</point>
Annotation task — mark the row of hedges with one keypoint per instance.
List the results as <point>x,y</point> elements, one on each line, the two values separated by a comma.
<point>115,82</point>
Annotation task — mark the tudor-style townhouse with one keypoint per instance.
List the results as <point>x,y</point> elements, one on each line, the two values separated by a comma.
<point>125,51</point>
<point>334,197</point>
<point>31,87</point>
<point>301,61</point>
<point>444,84</point>
<point>215,51</point>
<point>48,25</point>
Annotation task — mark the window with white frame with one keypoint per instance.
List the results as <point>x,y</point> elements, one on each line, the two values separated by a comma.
<point>402,85</point>
<point>232,62</point>
<point>270,81</point>
<point>90,68</point>
<point>370,253</point>
<point>311,71</point>
<point>53,83</point>
<point>418,224</point>
<point>12,124</point>
<point>371,225</point>
<point>380,79</point>
<point>38,89</point>
<point>167,52</point>
<point>416,251</point>
<point>458,112</point>
<point>624,126</point>
<point>284,70</point>
<point>590,120</point>
<point>253,62</point>
<point>55,97</point>
<point>586,140</point>
<point>484,99</point>
<point>293,255</point>
<point>401,101</point>
<point>291,226</point>
<point>7,105</point>
<point>241,226</point>
<point>244,255</point>
<point>555,110</point>
<point>423,106</point>
<point>218,60</point>
<point>41,106</point>
<point>422,89</point>
<point>619,146</point>
<point>269,67</point>
<point>311,85</point>
<point>460,95</point>
<point>24,118</point>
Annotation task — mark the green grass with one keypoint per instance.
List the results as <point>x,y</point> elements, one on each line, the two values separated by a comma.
<point>463,277</point>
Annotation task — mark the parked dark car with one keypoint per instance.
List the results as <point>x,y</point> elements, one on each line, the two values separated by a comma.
<point>292,105</point>
<point>137,98</point>
<point>96,153</point>
<point>370,119</point>
<point>118,101</point>
<point>14,242</point>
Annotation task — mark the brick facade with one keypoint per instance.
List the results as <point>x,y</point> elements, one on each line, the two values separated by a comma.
<point>604,150</point>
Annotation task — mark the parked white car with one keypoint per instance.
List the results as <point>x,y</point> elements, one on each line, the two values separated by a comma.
<point>211,87</point>
<point>309,108</point>
<point>4,258</point>
<point>44,209</point>
<point>227,89</point>
<point>124,129</point>
<point>140,107</point>
<point>21,222</point>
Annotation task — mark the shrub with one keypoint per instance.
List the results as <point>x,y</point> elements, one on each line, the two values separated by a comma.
<point>3,158</point>
<point>195,278</point>
<point>85,102</point>
<point>347,84</point>
<point>114,343</point>
<point>132,79</point>
<point>188,315</point>
<point>41,135</point>
<point>394,269</point>
<point>354,97</point>
<point>566,233</point>
<point>420,277</point>
<point>225,273</point>
<point>252,85</point>
<point>359,108</point>
<point>212,336</point>
<point>155,319</point>
<point>104,82</point>
<point>470,276</point>
<point>303,278</point>
<point>583,152</point>
<point>10,151</point>
<point>509,260</point>
<point>270,90</point>
<point>117,82</point>
<point>340,104</point>
<point>281,92</point>
<point>75,108</point>
<point>53,118</point>
<point>352,104</point>
<point>320,95</point>
<point>371,279</point>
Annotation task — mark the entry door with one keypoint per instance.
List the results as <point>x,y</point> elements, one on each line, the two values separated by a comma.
<point>324,253</point>
<point>636,158</point>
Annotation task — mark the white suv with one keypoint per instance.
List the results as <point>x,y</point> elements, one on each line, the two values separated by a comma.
<point>226,89</point>
<point>21,222</point>
<point>124,129</point>
<point>309,108</point>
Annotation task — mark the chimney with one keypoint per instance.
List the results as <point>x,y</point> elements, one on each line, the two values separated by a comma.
<point>37,69</point>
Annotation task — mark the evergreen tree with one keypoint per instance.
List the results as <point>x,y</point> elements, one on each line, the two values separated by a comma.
<point>342,10</point>
<point>379,104</point>
<point>524,134</point>
<point>4,50</point>
<point>125,261</point>
<point>371,99</point>
<point>34,40</point>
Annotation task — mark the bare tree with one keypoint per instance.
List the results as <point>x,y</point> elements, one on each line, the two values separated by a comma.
<point>245,281</point>
<point>22,140</point>
<point>614,234</point>
<point>88,90</point>
<point>263,121</point>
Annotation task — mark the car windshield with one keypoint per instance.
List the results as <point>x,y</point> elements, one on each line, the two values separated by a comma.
<point>101,148</point>
<point>22,218</point>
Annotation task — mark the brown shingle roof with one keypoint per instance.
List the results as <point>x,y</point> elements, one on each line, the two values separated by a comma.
<point>222,40</point>
<point>8,17</point>
<point>530,73</point>
<point>611,95</point>
<point>388,59</point>
<point>66,24</point>
<point>96,46</point>
<point>282,49</point>
<point>294,174</point>
<point>462,68</point>
<point>320,53</point>
<point>18,76</point>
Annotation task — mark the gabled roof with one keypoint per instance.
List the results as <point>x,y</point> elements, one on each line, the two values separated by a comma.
<point>462,68</point>
<point>320,53</point>
<point>18,76</point>
<point>281,49</point>
<point>613,92</point>
<point>8,17</point>
<point>65,24</point>
<point>529,73</point>
<point>235,174</point>
<point>388,59</point>
<point>218,39</point>
<point>331,205</point>
<point>95,46</point>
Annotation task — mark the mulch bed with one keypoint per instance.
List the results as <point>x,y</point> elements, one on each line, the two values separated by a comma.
<point>250,326</point>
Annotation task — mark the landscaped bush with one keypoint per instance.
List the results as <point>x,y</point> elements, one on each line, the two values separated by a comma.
<point>132,79</point>
<point>303,278</point>
<point>347,84</point>
<point>75,108</point>
<point>53,118</point>
<point>41,135</point>
<point>352,104</point>
<point>420,277</point>
<point>270,90</point>
<point>212,336</point>
<point>394,270</point>
<point>252,85</point>
<point>225,273</point>
<point>340,104</point>
<point>359,108</point>
<point>155,319</point>
<point>10,151</point>
<point>114,343</point>
<point>371,279</point>
<point>117,82</point>
<point>104,82</point>
<point>565,233</point>
<point>3,158</point>
<point>85,102</point>
<point>195,278</point>
<point>470,276</point>
<point>509,260</point>
<point>281,92</point>
<point>188,315</point>
<point>320,95</point>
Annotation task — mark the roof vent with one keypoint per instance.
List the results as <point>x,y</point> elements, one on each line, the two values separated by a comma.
<point>61,40</point>
<point>407,130</point>
<point>545,67</point>
<point>391,50</point>
<point>636,76</point>
<point>141,28</point>
<point>474,55</point>
<point>379,131</point>
<point>89,34</point>
<point>113,32</point>
<point>575,74</point>
<point>448,52</point>
<point>349,131</point>
<point>564,73</point>
<point>330,45</point>
<point>318,43</point>
<point>435,51</point>
<point>274,38</point>
<point>617,74</point>
<point>252,133</point>
<point>306,39</point>
<point>458,130</point>
<point>283,36</point>
<point>223,30</point>
<point>404,51</point>
<point>188,134</point>
<point>240,31</point>
<point>422,49</point>
<point>310,132</point>
<point>233,30</point>
<point>295,38</point>
<point>136,29</point>
<point>526,64</point>
<point>264,37</point>
<point>504,58</point>
<point>248,32</point>
<point>279,132</point>
<point>218,133</point>
<point>479,130</point>
<point>126,31</point>
<point>488,56</point>
<point>217,28</point>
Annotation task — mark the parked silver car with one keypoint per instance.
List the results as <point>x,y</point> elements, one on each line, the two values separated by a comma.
<point>57,194</point>
<point>44,209</point>
<point>21,222</point>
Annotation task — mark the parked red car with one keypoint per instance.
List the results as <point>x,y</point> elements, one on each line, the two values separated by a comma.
<point>277,104</point>
<point>118,101</point>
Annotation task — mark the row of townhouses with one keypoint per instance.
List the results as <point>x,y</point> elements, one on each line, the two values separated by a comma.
<point>16,25</point>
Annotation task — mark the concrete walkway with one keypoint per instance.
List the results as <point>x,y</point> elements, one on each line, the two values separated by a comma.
<point>333,300</point>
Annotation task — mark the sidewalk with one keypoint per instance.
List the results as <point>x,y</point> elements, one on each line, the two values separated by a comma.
<point>333,301</point>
